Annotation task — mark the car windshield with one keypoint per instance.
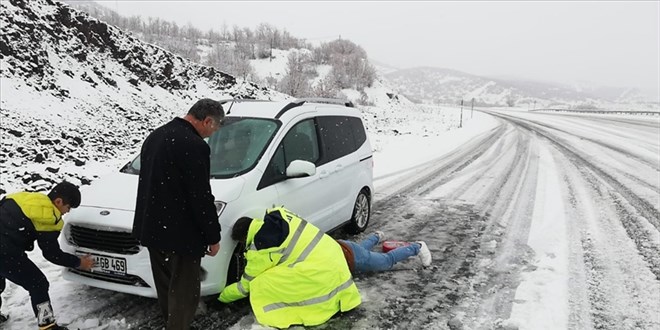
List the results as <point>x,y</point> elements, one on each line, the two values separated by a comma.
<point>235,147</point>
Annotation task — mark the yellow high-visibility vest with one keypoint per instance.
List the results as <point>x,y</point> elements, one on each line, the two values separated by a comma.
<point>305,280</point>
<point>39,209</point>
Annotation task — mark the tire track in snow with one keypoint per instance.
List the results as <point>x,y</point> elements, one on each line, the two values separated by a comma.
<point>611,283</point>
<point>430,297</point>
<point>615,298</point>
<point>620,150</point>
<point>478,284</point>
<point>437,168</point>
<point>643,207</point>
<point>598,295</point>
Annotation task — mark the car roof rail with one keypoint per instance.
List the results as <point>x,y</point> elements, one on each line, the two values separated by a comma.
<point>343,102</point>
<point>223,101</point>
<point>301,101</point>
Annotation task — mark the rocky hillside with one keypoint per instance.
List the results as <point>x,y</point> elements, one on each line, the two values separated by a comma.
<point>435,85</point>
<point>76,93</point>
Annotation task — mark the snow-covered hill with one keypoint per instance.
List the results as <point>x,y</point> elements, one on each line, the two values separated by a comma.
<point>435,85</point>
<point>76,92</point>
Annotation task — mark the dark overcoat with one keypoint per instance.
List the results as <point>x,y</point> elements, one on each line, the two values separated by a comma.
<point>174,211</point>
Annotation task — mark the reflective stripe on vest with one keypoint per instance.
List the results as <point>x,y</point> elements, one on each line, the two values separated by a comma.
<point>315,241</point>
<point>241,289</point>
<point>275,306</point>
<point>294,240</point>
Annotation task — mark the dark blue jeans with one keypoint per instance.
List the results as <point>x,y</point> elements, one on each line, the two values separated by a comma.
<point>369,261</point>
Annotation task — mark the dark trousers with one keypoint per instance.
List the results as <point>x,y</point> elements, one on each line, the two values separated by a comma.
<point>177,279</point>
<point>19,269</point>
<point>2,289</point>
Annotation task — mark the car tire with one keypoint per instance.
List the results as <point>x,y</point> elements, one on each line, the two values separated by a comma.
<point>361,214</point>
<point>236,264</point>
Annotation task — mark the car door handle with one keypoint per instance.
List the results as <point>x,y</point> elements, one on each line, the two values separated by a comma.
<point>338,168</point>
<point>323,174</point>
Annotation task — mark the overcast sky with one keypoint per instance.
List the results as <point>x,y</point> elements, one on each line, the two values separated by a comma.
<point>608,43</point>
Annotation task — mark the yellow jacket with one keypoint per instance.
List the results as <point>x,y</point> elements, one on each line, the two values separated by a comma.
<point>39,209</point>
<point>305,280</point>
<point>28,216</point>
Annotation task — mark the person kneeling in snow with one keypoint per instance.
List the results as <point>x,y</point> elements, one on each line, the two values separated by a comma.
<point>24,218</point>
<point>295,274</point>
<point>361,259</point>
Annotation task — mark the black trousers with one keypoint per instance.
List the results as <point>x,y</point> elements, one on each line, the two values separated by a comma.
<point>177,279</point>
<point>19,269</point>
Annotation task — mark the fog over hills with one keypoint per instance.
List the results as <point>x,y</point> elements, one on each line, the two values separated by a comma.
<point>436,85</point>
<point>422,84</point>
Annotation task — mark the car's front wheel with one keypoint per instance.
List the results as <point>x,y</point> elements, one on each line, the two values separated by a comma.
<point>236,265</point>
<point>361,214</point>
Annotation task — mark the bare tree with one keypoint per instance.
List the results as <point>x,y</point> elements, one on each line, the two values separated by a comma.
<point>225,58</point>
<point>326,87</point>
<point>296,82</point>
<point>510,101</point>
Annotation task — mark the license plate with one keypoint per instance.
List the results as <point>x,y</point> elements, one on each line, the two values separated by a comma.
<point>109,265</point>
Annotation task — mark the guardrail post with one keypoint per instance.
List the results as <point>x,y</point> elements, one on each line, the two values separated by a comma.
<point>460,125</point>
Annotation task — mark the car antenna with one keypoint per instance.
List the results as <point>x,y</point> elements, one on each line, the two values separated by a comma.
<point>231,105</point>
<point>234,98</point>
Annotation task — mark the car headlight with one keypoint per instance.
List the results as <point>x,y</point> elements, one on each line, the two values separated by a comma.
<point>219,207</point>
<point>67,234</point>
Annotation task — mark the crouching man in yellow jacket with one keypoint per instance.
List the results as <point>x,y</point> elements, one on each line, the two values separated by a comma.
<point>295,274</point>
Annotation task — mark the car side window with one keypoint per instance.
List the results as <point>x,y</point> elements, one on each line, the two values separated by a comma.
<point>337,137</point>
<point>358,131</point>
<point>301,142</point>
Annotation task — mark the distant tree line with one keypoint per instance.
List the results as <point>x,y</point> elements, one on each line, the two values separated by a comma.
<point>231,50</point>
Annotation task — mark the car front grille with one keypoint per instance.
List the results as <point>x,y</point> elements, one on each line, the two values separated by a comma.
<point>102,240</point>
<point>120,279</point>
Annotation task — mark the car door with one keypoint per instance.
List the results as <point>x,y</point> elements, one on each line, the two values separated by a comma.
<point>306,196</point>
<point>338,166</point>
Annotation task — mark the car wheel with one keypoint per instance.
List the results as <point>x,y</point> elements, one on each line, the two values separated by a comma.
<point>236,264</point>
<point>361,214</point>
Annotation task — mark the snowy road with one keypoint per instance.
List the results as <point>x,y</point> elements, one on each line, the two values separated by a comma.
<point>547,221</point>
<point>544,221</point>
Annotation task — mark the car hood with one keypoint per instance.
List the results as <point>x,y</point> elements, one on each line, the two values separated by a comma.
<point>119,190</point>
<point>115,191</point>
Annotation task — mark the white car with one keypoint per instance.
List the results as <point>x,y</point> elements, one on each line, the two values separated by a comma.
<point>311,156</point>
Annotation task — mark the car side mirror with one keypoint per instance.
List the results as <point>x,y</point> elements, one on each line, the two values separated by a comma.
<point>300,168</point>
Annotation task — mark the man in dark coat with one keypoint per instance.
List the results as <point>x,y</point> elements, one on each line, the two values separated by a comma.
<point>175,214</point>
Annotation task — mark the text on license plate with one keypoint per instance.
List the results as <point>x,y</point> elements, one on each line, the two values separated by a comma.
<point>111,265</point>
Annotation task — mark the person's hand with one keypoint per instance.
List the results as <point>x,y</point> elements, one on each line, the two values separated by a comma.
<point>213,249</point>
<point>86,262</point>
